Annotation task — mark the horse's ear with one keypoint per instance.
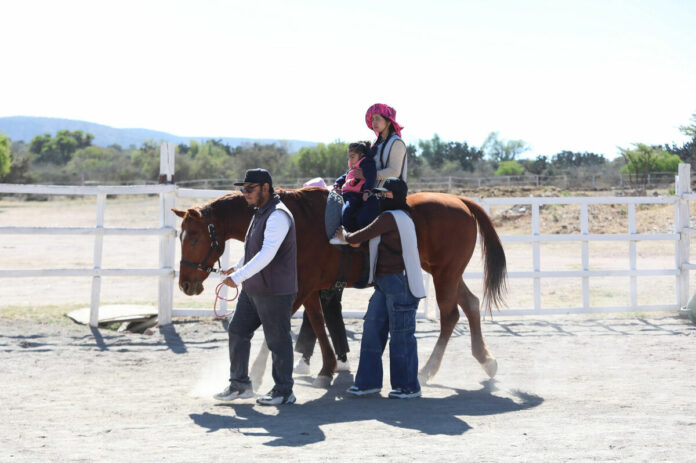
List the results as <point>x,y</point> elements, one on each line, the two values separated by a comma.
<point>179,212</point>
<point>195,213</point>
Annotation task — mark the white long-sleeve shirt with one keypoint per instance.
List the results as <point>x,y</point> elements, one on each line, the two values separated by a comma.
<point>277,226</point>
<point>394,166</point>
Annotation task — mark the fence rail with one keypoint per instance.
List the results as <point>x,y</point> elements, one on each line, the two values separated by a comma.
<point>453,183</point>
<point>168,194</point>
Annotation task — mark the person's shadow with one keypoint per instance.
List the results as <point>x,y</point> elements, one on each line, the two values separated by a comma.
<point>297,425</point>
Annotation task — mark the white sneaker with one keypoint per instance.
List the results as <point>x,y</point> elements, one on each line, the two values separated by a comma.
<point>404,394</point>
<point>301,367</point>
<point>336,241</point>
<point>342,366</point>
<point>353,390</point>
<point>234,392</point>
<point>276,398</point>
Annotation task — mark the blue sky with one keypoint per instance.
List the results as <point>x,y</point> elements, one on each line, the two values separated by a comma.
<point>576,75</point>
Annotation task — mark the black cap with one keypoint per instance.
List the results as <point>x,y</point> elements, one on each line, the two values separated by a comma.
<point>395,185</point>
<point>260,176</point>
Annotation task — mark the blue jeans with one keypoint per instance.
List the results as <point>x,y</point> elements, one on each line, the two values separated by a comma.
<point>351,206</point>
<point>368,212</point>
<point>273,313</point>
<point>391,313</point>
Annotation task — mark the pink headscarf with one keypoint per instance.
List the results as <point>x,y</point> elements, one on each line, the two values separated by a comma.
<point>385,111</point>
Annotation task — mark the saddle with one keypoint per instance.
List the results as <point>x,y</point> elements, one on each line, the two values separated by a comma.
<point>332,220</point>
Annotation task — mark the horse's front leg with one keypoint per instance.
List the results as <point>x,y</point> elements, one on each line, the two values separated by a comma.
<point>316,318</point>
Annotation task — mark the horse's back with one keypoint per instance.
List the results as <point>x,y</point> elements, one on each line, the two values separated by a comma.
<point>446,229</point>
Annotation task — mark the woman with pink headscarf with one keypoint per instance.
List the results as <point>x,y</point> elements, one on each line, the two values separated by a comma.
<point>388,152</point>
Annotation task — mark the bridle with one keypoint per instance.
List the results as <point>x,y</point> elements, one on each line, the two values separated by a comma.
<point>214,246</point>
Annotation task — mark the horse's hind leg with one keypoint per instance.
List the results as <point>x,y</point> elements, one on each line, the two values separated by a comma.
<point>449,315</point>
<point>316,317</point>
<point>470,305</point>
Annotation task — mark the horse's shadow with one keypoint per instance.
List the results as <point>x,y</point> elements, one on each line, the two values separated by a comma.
<point>297,425</point>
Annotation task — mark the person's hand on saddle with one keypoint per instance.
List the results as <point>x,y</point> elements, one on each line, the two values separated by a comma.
<point>358,173</point>
<point>341,235</point>
<point>366,195</point>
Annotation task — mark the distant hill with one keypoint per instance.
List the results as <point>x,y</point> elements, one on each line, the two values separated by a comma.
<point>24,128</point>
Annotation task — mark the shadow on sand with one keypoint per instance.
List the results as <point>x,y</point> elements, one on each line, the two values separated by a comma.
<point>298,425</point>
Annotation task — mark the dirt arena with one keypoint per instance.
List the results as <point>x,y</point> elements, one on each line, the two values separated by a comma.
<point>569,387</point>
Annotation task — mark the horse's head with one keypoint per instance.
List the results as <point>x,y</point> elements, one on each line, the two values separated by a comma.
<point>201,247</point>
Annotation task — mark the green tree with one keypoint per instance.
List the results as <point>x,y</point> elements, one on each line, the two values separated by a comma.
<point>467,156</point>
<point>643,159</point>
<point>323,160</point>
<point>499,150</point>
<point>690,130</point>
<point>5,155</point>
<point>509,168</point>
<point>59,149</point>
<point>434,151</point>
<point>569,159</point>
<point>535,166</point>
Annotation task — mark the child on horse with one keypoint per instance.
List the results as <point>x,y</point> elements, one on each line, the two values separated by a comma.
<point>355,191</point>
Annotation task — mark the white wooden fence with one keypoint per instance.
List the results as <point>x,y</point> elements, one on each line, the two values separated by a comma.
<point>167,273</point>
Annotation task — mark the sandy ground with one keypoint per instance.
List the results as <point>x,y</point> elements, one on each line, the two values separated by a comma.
<point>569,388</point>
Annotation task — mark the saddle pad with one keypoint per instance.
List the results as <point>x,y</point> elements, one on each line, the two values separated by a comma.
<point>332,216</point>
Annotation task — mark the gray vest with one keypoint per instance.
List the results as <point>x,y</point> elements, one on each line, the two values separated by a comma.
<point>279,277</point>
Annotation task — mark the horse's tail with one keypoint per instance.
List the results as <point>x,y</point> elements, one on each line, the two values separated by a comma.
<point>494,264</point>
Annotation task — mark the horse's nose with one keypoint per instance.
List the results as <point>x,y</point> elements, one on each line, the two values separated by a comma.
<point>185,286</point>
<point>199,287</point>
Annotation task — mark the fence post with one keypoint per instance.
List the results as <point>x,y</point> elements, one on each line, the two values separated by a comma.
<point>96,280</point>
<point>167,243</point>
<point>681,225</point>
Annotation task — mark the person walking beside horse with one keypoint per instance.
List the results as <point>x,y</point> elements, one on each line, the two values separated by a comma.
<point>396,272</point>
<point>268,275</point>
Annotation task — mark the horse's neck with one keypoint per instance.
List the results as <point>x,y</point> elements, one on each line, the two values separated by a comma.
<point>232,216</point>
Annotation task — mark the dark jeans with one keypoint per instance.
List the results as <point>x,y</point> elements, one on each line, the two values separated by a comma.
<point>368,212</point>
<point>331,306</point>
<point>273,313</point>
<point>349,212</point>
<point>391,314</point>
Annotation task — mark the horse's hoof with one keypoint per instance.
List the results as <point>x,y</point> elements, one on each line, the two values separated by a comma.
<point>322,381</point>
<point>490,366</point>
<point>424,377</point>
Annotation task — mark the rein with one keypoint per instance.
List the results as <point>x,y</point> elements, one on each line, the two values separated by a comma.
<point>214,246</point>
<point>218,297</point>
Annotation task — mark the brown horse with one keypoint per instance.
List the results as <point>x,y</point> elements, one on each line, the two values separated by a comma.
<point>446,227</point>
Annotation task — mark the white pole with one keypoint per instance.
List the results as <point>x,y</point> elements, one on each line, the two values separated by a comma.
<point>632,256</point>
<point>98,247</point>
<point>682,224</point>
<point>585,251</point>
<point>167,248</point>
<point>536,256</point>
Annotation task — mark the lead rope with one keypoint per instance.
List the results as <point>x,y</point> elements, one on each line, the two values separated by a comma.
<point>218,297</point>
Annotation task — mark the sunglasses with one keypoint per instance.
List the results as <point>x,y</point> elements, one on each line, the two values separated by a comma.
<point>248,189</point>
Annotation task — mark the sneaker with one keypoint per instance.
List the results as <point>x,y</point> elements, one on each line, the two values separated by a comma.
<point>276,398</point>
<point>404,394</point>
<point>342,365</point>
<point>302,366</point>
<point>336,241</point>
<point>233,392</point>
<point>354,390</point>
